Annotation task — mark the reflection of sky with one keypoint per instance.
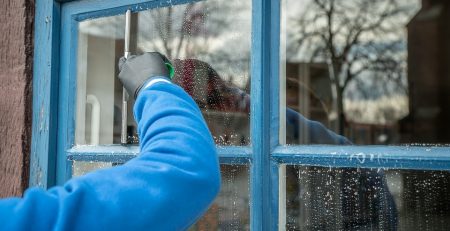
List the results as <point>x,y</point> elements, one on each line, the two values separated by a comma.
<point>226,47</point>
<point>224,39</point>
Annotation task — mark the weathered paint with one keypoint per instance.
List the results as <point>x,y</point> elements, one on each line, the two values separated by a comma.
<point>16,43</point>
<point>82,10</point>
<point>392,157</point>
<point>121,154</point>
<point>45,85</point>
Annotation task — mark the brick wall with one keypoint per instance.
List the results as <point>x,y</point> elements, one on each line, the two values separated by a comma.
<point>16,61</point>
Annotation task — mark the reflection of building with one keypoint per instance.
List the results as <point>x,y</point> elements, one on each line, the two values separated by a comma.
<point>429,74</point>
<point>308,90</point>
<point>428,121</point>
<point>361,133</point>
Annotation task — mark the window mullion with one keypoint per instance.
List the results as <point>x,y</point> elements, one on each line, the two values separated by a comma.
<point>264,113</point>
<point>45,81</point>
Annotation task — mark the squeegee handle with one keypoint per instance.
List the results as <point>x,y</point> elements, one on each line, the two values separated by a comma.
<point>125,96</point>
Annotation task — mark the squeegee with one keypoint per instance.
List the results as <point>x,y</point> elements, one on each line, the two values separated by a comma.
<point>125,96</point>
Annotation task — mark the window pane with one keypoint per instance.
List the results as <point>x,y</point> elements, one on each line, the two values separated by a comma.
<point>376,72</point>
<point>99,93</point>
<point>209,45</point>
<point>229,211</point>
<point>319,198</point>
<point>80,168</point>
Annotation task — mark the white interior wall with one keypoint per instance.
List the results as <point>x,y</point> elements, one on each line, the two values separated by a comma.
<point>80,134</point>
<point>100,82</point>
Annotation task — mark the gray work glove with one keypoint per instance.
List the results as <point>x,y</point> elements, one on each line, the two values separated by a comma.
<point>137,69</point>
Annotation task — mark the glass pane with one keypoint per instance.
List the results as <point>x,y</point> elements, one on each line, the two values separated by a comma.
<point>375,72</point>
<point>229,211</point>
<point>82,167</point>
<point>319,198</point>
<point>209,45</point>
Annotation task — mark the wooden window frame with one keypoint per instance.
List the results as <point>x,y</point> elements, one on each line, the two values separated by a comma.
<point>54,89</point>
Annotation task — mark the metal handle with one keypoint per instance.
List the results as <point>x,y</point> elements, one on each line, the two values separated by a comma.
<point>125,96</point>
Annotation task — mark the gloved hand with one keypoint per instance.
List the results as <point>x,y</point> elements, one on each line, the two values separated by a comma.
<point>137,69</point>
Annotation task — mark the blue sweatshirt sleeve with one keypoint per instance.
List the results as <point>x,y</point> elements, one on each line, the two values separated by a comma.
<point>167,187</point>
<point>315,132</point>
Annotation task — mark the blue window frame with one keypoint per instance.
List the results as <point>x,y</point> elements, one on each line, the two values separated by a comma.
<point>54,99</point>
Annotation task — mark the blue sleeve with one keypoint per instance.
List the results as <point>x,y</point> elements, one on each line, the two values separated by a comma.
<point>167,187</point>
<point>297,125</point>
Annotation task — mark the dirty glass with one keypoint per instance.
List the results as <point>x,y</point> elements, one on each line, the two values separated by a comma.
<point>208,43</point>
<point>376,72</point>
<point>322,198</point>
<point>80,168</point>
<point>229,211</point>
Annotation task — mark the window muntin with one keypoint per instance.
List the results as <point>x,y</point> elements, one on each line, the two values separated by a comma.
<point>209,44</point>
<point>368,70</point>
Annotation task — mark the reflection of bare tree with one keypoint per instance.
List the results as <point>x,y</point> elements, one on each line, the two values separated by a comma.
<point>189,30</point>
<point>358,39</point>
<point>214,31</point>
<point>175,29</point>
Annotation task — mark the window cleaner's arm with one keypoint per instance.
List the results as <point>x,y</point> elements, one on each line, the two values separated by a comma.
<point>167,187</point>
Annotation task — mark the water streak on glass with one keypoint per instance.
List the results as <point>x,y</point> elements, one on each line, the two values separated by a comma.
<point>230,210</point>
<point>80,168</point>
<point>209,45</point>
<point>375,72</point>
<point>320,198</point>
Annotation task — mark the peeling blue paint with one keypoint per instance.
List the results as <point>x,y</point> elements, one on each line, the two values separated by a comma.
<point>45,83</point>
